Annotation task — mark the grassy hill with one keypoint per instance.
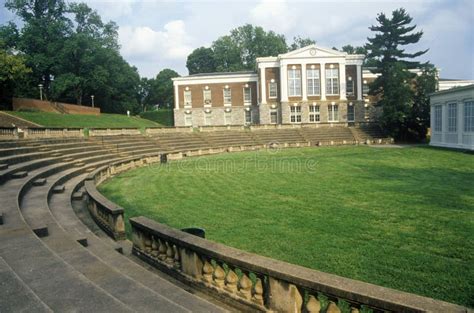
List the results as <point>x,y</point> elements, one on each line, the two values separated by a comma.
<point>162,116</point>
<point>103,120</point>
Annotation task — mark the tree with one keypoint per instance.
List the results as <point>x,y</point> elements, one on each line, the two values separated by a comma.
<point>162,91</point>
<point>201,60</point>
<point>391,61</point>
<point>299,42</point>
<point>419,117</point>
<point>42,36</point>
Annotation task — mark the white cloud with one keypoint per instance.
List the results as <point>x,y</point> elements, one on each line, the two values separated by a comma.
<point>112,9</point>
<point>275,15</point>
<point>145,43</point>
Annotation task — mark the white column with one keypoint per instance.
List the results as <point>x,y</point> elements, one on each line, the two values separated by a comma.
<point>323,80</point>
<point>303,82</point>
<point>257,89</point>
<point>284,83</point>
<point>264,85</point>
<point>459,122</point>
<point>359,82</point>
<point>342,81</point>
<point>176,97</point>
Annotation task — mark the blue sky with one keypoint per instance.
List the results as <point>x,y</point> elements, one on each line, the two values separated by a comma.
<point>160,34</point>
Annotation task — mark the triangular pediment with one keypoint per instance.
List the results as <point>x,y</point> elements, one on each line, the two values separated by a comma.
<point>312,51</point>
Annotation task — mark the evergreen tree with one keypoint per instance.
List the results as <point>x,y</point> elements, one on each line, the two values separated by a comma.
<point>392,62</point>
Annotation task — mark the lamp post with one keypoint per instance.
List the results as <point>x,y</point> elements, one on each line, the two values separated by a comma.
<point>41,91</point>
<point>92,98</point>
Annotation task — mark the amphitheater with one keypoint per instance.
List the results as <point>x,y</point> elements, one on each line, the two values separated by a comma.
<point>63,245</point>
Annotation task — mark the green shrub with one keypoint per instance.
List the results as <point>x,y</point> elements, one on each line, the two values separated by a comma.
<point>162,116</point>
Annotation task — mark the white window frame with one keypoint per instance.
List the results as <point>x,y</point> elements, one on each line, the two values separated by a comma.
<point>247,114</point>
<point>295,114</point>
<point>350,91</point>
<point>187,96</point>
<point>349,108</point>
<point>274,112</point>
<point>365,88</point>
<point>272,90</point>
<point>188,119</point>
<point>227,95</point>
<point>227,118</point>
<point>438,118</point>
<point>333,113</point>
<point>294,82</point>
<point>249,100</point>
<point>452,117</point>
<point>207,97</point>
<point>469,116</point>
<point>332,81</point>
<point>314,113</point>
<point>313,82</point>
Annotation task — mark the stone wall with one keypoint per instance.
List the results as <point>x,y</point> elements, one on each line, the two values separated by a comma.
<point>216,115</point>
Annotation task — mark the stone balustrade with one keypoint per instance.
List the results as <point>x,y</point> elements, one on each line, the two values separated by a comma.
<point>94,132</point>
<point>265,284</point>
<point>8,133</point>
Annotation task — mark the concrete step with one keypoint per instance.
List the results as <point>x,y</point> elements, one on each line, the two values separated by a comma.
<point>59,189</point>
<point>3,167</point>
<point>16,295</point>
<point>20,174</point>
<point>39,182</point>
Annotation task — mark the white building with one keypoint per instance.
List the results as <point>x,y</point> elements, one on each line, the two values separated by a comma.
<point>452,118</point>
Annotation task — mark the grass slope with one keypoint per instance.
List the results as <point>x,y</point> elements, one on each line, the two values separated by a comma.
<point>401,218</point>
<point>161,116</point>
<point>48,119</point>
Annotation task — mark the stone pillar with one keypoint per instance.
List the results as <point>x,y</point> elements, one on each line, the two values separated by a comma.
<point>264,85</point>
<point>284,297</point>
<point>359,82</point>
<point>323,81</point>
<point>303,82</point>
<point>176,97</point>
<point>342,81</point>
<point>284,83</point>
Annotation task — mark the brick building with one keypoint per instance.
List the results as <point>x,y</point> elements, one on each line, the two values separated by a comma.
<point>308,85</point>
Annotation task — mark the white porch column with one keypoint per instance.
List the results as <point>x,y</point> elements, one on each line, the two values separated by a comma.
<point>359,82</point>
<point>342,81</point>
<point>176,97</point>
<point>323,81</point>
<point>263,83</point>
<point>460,121</point>
<point>303,82</point>
<point>284,82</point>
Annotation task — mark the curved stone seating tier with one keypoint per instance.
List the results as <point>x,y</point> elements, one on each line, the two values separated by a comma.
<point>257,282</point>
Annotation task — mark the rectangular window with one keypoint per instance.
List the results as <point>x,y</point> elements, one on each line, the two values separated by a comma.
<point>365,88</point>
<point>332,81</point>
<point>350,113</point>
<point>207,97</point>
<point>438,116</point>
<point>273,90</point>
<point>313,82</point>
<point>350,87</point>
<point>188,119</point>
<point>314,114</point>
<point>227,97</point>
<point>227,118</point>
<point>469,116</point>
<point>295,114</point>
<point>273,116</point>
<point>187,98</point>
<point>452,117</point>
<point>207,118</point>
<point>294,82</point>
<point>247,96</point>
<point>248,117</point>
<point>333,113</point>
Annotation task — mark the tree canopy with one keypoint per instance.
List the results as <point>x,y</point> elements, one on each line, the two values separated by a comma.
<point>239,50</point>
<point>72,53</point>
<point>394,84</point>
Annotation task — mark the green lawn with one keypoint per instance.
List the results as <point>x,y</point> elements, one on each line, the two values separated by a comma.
<point>47,119</point>
<point>401,218</point>
<point>161,116</point>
